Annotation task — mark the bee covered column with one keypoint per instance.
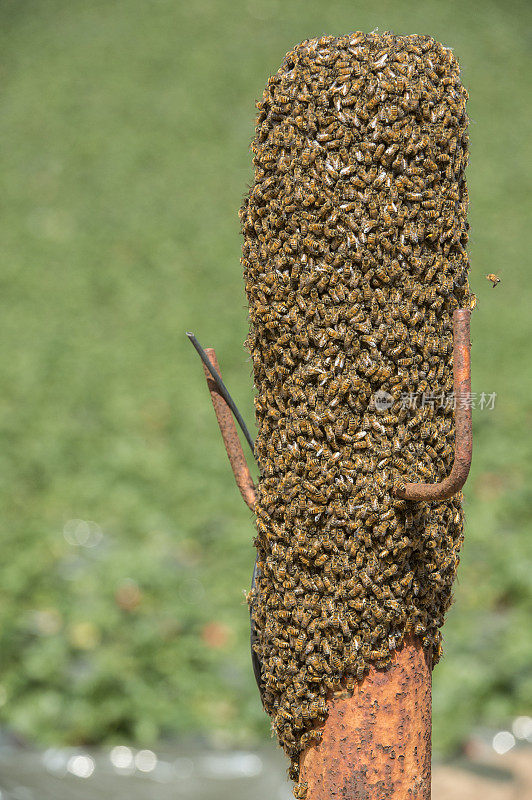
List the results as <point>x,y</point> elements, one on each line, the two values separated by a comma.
<point>354,262</point>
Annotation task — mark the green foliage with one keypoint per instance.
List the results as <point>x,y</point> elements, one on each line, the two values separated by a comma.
<point>125,129</point>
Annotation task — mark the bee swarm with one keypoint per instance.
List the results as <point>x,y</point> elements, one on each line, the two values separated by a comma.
<point>354,261</point>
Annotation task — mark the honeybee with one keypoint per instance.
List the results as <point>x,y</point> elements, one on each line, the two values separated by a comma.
<point>300,790</point>
<point>493,278</point>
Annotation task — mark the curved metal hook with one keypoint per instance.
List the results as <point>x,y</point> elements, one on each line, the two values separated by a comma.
<point>463,441</point>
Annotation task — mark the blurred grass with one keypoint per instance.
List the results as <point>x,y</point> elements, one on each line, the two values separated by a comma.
<point>125,130</point>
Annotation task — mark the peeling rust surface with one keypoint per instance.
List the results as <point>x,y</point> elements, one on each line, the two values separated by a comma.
<point>229,433</point>
<point>376,745</point>
<point>463,427</point>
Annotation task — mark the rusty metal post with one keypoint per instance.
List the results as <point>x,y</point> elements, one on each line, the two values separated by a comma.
<point>376,744</point>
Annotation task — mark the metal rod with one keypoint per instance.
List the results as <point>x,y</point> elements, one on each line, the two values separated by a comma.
<point>222,389</point>
<point>228,430</point>
<point>376,744</point>
<point>242,475</point>
<point>463,442</point>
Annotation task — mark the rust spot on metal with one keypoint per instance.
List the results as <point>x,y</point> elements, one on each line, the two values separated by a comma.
<point>376,744</point>
<point>463,442</point>
<point>229,433</point>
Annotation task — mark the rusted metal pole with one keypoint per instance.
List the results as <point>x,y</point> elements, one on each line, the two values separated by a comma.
<point>376,744</point>
<point>229,433</point>
<point>463,441</point>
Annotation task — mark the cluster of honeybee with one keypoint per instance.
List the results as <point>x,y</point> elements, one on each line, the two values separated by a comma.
<point>354,261</point>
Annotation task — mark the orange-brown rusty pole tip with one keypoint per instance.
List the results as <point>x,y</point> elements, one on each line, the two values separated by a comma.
<point>463,441</point>
<point>376,744</point>
<point>229,433</point>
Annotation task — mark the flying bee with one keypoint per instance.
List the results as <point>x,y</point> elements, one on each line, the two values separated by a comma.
<point>494,279</point>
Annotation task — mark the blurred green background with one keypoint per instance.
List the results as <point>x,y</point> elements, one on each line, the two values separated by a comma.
<point>126,550</point>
